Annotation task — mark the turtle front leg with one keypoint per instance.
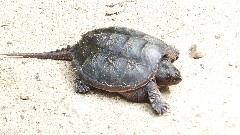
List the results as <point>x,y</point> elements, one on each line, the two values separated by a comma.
<point>155,98</point>
<point>149,93</point>
<point>80,86</point>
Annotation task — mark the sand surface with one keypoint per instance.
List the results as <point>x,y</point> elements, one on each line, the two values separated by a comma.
<point>38,97</point>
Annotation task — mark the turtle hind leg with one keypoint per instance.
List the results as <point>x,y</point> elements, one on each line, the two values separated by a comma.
<point>80,86</point>
<point>155,98</point>
<point>140,95</point>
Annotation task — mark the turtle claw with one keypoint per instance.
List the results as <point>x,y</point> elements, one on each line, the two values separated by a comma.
<point>80,86</point>
<point>160,107</point>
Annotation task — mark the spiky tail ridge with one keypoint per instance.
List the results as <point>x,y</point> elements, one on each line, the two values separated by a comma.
<point>63,54</point>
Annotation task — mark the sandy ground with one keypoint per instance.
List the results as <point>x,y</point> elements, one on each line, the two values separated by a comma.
<point>37,96</point>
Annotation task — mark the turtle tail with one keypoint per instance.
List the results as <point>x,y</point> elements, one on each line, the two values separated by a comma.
<point>63,54</point>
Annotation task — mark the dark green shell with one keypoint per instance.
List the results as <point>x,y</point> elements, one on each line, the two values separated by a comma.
<point>117,58</point>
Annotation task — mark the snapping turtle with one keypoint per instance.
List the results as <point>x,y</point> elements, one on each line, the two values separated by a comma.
<point>122,60</point>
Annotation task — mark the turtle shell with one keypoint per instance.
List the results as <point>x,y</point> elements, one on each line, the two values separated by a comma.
<point>117,59</point>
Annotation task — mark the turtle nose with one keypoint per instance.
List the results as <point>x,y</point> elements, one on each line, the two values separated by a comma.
<point>177,77</point>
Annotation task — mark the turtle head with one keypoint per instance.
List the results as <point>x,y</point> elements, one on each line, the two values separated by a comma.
<point>167,74</point>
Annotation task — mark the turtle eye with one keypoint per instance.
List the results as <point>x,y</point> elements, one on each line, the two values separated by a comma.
<point>169,58</point>
<point>165,57</point>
